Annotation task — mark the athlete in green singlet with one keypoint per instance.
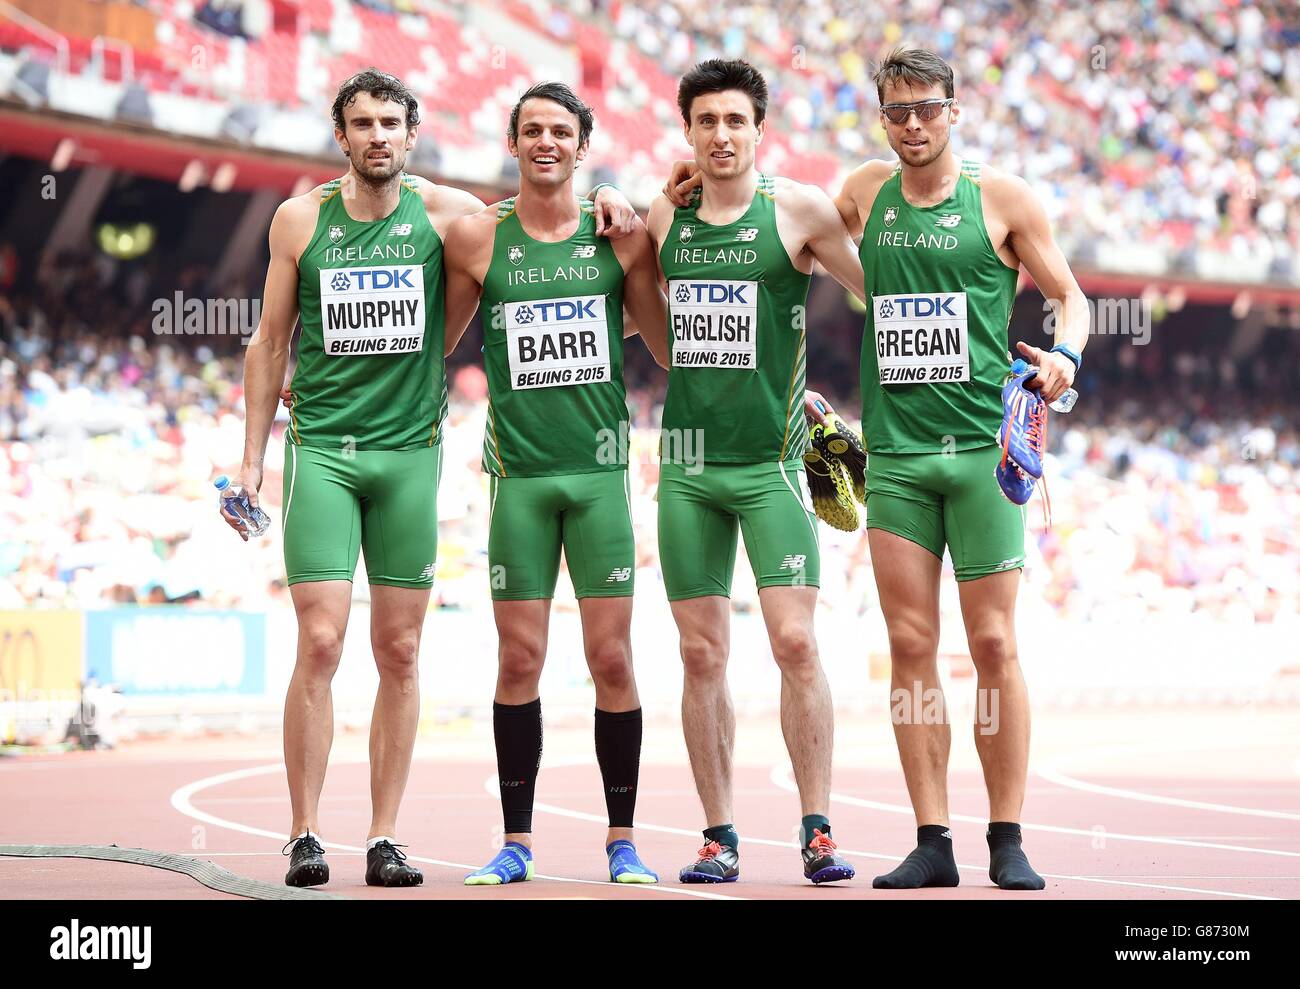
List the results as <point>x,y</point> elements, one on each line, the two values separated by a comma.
<point>553,295</point>
<point>360,259</point>
<point>942,241</point>
<point>737,264</point>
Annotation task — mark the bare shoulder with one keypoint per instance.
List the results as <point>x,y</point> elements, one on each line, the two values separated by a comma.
<point>444,203</point>
<point>865,180</point>
<point>798,195</point>
<point>1007,195</point>
<point>294,222</point>
<point>659,217</point>
<point>632,246</point>
<point>470,232</point>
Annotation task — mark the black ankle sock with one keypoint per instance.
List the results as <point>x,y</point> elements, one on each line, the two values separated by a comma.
<point>931,863</point>
<point>618,751</point>
<point>723,834</point>
<point>518,732</point>
<point>1008,867</point>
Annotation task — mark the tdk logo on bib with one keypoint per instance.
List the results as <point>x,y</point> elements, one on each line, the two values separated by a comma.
<point>376,310</point>
<point>555,342</point>
<point>560,310</point>
<point>918,306</point>
<point>715,323</point>
<point>714,293</point>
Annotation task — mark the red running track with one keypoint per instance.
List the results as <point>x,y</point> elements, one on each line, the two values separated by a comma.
<point>1166,837</point>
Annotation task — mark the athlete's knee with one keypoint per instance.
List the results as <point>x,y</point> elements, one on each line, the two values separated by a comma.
<point>320,645</point>
<point>795,648</point>
<point>397,654</point>
<point>610,662</point>
<point>913,646</point>
<point>521,657</point>
<point>992,649</point>
<point>704,655</point>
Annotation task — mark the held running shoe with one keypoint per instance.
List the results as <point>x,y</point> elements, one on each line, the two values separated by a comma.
<point>847,447</point>
<point>386,866</point>
<point>1022,435</point>
<point>717,864</point>
<point>827,485</point>
<point>307,865</point>
<point>821,864</point>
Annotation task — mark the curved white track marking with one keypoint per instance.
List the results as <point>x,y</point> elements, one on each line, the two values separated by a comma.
<point>181,801</point>
<point>1054,775</point>
<point>665,829</point>
<point>781,777</point>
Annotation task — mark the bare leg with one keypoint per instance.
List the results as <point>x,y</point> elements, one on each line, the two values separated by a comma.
<point>322,612</point>
<point>708,719</point>
<point>807,717</point>
<point>396,621</point>
<point>988,607</point>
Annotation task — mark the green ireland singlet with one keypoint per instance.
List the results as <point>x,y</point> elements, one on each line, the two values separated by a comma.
<point>370,371</point>
<point>553,351</point>
<point>934,347</point>
<point>738,341</point>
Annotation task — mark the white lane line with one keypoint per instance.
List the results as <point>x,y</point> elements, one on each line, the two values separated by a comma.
<point>1054,775</point>
<point>181,800</point>
<point>781,777</point>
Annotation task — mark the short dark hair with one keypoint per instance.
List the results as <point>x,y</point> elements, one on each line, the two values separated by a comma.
<point>916,67</point>
<point>717,75</point>
<point>556,92</point>
<point>381,86</point>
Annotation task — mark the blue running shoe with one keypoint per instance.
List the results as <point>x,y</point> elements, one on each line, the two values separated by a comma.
<point>1016,485</point>
<point>513,864</point>
<point>1023,433</point>
<point>625,865</point>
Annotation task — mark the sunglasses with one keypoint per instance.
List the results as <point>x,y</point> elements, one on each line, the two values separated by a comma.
<point>898,113</point>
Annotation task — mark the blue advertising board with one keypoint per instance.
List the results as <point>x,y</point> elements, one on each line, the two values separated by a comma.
<point>177,650</point>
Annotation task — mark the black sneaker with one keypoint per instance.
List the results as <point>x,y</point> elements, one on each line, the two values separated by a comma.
<point>386,866</point>
<point>717,864</point>
<point>821,864</point>
<point>307,866</point>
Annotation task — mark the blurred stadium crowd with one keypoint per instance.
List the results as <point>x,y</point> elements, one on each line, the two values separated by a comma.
<point>1163,134</point>
<point>1175,484</point>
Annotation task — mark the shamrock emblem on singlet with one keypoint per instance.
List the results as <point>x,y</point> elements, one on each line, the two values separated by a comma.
<point>886,309</point>
<point>340,282</point>
<point>683,294</point>
<point>524,315</point>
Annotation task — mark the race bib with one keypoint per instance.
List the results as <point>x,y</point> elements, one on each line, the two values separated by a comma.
<point>376,310</point>
<point>557,342</point>
<point>921,339</point>
<point>715,323</point>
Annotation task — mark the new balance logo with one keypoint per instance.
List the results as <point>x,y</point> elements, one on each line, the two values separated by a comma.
<point>585,251</point>
<point>794,561</point>
<point>747,234</point>
<point>618,576</point>
<point>948,220</point>
<point>400,230</point>
<point>427,572</point>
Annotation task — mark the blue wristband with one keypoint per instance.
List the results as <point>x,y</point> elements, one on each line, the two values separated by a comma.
<point>1075,357</point>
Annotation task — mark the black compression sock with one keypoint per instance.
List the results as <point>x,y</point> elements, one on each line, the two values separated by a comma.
<point>930,864</point>
<point>1008,867</point>
<point>723,834</point>
<point>518,732</point>
<point>618,751</point>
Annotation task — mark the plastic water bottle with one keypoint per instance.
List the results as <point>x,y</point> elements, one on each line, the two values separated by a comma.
<point>1064,402</point>
<point>235,502</point>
